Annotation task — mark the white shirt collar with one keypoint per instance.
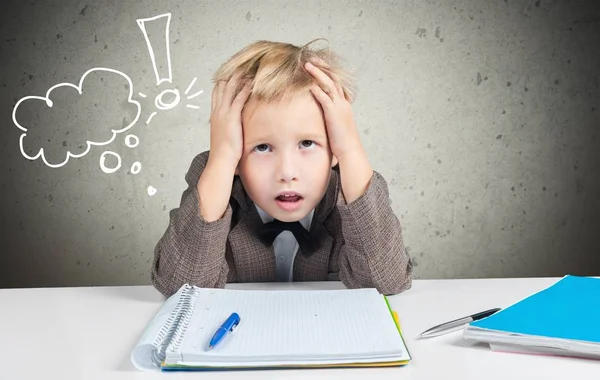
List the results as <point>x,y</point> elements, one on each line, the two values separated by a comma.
<point>268,218</point>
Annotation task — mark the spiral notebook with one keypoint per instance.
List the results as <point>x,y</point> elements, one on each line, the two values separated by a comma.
<point>278,329</point>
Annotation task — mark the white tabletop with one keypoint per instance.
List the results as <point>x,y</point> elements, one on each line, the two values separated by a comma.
<point>88,333</point>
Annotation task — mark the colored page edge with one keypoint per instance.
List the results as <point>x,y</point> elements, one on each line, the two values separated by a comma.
<point>396,319</point>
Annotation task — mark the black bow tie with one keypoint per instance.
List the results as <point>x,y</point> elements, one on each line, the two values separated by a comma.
<point>307,241</point>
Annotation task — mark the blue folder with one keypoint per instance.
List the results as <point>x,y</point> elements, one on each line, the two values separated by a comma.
<point>569,309</point>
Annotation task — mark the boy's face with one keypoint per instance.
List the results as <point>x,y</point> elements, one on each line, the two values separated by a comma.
<point>286,161</point>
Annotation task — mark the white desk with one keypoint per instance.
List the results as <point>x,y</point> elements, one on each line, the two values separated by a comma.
<point>88,333</point>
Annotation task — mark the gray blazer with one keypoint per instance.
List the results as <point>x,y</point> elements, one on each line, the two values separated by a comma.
<point>362,244</point>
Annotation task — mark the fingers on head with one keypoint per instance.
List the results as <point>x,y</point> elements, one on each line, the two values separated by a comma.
<point>322,97</point>
<point>242,96</point>
<point>328,81</point>
<point>226,91</point>
<point>318,61</point>
<point>232,85</point>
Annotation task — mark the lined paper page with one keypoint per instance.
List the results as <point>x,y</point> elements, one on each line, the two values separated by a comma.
<point>293,324</point>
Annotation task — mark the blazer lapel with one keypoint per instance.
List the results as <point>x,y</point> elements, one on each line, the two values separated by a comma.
<point>315,266</point>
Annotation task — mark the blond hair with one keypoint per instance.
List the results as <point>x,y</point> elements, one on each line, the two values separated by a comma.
<point>275,70</point>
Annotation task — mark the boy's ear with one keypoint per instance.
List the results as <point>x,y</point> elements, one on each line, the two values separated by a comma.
<point>334,161</point>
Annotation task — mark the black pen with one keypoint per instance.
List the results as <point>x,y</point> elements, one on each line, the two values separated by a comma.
<point>456,324</point>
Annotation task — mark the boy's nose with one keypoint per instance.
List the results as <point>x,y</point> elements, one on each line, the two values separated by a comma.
<point>287,168</point>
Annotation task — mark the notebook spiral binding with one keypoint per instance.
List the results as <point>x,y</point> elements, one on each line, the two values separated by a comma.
<point>172,332</point>
<point>187,310</point>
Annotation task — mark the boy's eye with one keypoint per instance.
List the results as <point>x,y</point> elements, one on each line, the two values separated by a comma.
<point>261,148</point>
<point>307,143</point>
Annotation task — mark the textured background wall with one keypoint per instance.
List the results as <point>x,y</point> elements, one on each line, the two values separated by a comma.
<point>483,116</point>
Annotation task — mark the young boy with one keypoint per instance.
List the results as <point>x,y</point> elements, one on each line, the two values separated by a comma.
<point>286,192</point>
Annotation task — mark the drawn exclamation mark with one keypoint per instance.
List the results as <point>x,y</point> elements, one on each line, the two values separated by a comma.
<point>161,62</point>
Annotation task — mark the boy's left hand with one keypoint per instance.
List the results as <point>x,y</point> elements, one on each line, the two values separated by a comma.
<point>339,120</point>
<point>344,140</point>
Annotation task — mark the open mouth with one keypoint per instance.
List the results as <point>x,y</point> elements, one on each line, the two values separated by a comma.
<point>289,201</point>
<point>289,197</point>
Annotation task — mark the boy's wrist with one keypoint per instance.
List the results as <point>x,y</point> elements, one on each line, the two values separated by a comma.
<point>222,161</point>
<point>349,147</point>
<point>355,173</point>
<point>214,187</point>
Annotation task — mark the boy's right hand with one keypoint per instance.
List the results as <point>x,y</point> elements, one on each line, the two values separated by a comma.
<point>226,137</point>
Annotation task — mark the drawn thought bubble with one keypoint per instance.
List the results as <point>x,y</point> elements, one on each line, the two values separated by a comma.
<point>103,134</point>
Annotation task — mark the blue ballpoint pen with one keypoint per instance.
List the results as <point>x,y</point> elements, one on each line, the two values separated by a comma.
<point>228,326</point>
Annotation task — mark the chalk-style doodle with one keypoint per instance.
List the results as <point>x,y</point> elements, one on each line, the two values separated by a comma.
<point>47,99</point>
<point>150,118</point>
<point>194,95</point>
<point>136,167</point>
<point>166,18</point>
<point>161,105</point>
<point>132,141</point>
<point>170,97</point>
<point>167,99</point>
<point>187,90</point>
<point>103,166</point>
<point>163,21</point>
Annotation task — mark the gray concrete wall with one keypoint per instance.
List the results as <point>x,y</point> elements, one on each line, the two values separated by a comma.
<point>483,117</point>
